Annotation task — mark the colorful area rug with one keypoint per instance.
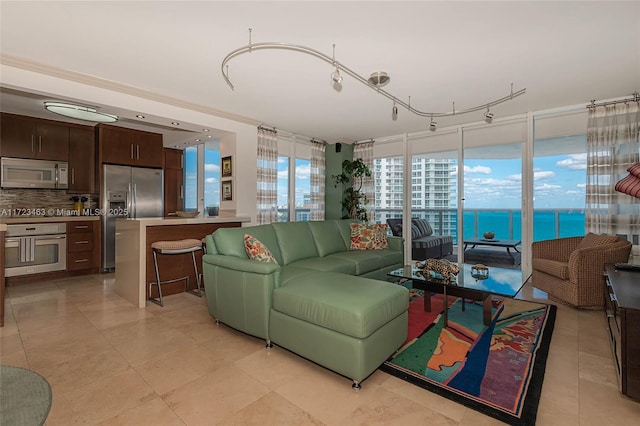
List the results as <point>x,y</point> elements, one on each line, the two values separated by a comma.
<point>497,369</point>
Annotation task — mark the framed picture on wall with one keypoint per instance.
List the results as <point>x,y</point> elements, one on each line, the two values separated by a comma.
<point>226,167</point>
<point>227,190</point>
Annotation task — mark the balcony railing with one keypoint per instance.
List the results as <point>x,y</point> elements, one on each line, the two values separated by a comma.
<point>505,223</point>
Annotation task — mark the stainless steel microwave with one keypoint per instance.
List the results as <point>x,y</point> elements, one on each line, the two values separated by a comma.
<point>23,173</point>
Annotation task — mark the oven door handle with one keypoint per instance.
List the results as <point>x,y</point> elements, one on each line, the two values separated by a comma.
<point>50,237</point>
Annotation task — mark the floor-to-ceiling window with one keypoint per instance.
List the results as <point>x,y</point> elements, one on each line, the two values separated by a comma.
<point>294,178</point>
<point>303,189</point>
<point>283,189</point>
<point>559,175</point>
<point>202,176</point>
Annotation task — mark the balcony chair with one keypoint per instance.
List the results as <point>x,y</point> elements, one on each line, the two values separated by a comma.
<point>571,270</point>
<point>424,245</point>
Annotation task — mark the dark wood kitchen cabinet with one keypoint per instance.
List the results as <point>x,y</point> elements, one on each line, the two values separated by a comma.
<point>129,147</point>
<point>173,181</point>
<point>83,245</point>
<point>34,138</point>
<point>82,160</point>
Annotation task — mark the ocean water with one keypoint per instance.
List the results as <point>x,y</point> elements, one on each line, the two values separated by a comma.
<point>545,224</point>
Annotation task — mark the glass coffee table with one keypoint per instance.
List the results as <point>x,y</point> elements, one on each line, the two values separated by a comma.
<point>471,283</point>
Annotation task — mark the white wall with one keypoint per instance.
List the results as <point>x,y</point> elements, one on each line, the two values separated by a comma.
<point>236,139</point>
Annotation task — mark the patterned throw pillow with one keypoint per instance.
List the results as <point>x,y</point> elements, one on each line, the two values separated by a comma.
<point>256,250</point>
<point>594,240</point>
<point>368,237</point>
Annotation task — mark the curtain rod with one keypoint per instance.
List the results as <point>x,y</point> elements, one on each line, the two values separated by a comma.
<point>361,142</point>
<point>634,98</point>
<point>274,130</point>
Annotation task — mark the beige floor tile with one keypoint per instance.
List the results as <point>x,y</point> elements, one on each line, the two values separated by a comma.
<point>228,390</point>
<point>273,367</point>
<point>439,404</point>
<point>475,418</point>
<point>16,359</point>
<point>230,345</point>
<point>100,400</point>
<point>598,369</point>
<point>117,312</point>
<point>271,409</point>
<point>168,371</point>
<point>154,412</point>
<point>384,407</point>
<point>62,350</point>
<point>67,327</point>
<point>80,370</point>
<point>326,395</point>
<point>141,341</point>
<point>602,405</point>
<point>10,343</point>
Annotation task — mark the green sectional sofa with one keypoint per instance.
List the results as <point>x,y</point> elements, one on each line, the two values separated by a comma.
<point>320,300</point>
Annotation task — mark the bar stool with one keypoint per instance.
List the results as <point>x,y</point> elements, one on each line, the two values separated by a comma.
<point>170,248</point>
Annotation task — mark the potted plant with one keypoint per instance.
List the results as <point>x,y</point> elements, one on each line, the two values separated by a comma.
<point>352,177</point>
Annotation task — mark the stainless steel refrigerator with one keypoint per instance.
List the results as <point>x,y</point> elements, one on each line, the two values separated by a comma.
<point>133,192</point>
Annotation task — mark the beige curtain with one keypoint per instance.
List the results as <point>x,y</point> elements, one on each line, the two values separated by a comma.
<point>364,151</point>
<point>317,180</point>
<point>267,176</point>
<point>613,144</point>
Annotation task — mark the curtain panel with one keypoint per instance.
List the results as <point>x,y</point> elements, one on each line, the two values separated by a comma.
<point>365,152</point>
<point>267,207</point>
<point>613,145</point>
<point>317,180</point>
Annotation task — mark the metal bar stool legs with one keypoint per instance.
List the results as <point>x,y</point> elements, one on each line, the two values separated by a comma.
<point>170,248</point>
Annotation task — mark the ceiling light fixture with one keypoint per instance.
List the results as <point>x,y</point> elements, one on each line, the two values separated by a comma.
<point>337,78</point>
<point>379,78</point>
<point>433,125</point>
<point>488,116</point>
<point>394,112</point>
<point>140,116</point>
<point>79,112</point>
<point>175,123</point>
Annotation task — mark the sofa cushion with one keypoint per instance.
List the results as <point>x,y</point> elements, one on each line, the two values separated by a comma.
<point>423,227</point>
<point>256,250</point>
<point>350,305</point>
<point>594,240</point>
<point>230,241</point>
<point>368,237</point>
<point>551,267</point>
<point>327,237</point>
<point>426,242</point>
<point>295,240</point>
<point>364,260</point>
<point>344,226</point>
<point>326,264</point>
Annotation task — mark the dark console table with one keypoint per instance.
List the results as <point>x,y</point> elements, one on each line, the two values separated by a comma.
<point>623,317</point>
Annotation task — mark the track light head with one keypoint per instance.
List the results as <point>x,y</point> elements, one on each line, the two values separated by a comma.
<point>336,77</point>
<point>433,125</point>
<point>394,112</point>
<point>488,116</point>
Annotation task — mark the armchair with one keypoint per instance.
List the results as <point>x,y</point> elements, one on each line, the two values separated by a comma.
<point>571,270</point>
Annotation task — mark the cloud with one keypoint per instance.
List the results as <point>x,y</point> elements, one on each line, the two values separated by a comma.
<point>574,162</point>
<point>215,168</point>
<point>478,169</point>
<point>547,187</point>
<point>303,171</point>
<point>211,180</point>
<point>543,174</point>
<point>581,185</point>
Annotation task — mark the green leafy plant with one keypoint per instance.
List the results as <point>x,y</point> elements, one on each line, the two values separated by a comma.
<point>352,177</point>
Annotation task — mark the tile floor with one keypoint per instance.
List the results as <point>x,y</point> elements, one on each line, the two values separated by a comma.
<point>110,363</point>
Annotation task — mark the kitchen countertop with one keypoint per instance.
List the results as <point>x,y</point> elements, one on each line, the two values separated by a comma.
<point>163,221</point>
<point>44,219</point>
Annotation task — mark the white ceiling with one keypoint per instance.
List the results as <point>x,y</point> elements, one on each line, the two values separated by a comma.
<point>563,53</point>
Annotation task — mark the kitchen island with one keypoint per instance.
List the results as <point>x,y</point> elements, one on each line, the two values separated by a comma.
<point>134,257</point>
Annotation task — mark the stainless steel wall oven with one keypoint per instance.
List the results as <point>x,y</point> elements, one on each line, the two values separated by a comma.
<point>34,248</point>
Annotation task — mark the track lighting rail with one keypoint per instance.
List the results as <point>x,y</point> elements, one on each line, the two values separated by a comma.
<point>339,67</point>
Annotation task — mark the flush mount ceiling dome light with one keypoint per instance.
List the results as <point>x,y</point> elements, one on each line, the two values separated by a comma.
<point>374,82</point>
<point>80,112</point>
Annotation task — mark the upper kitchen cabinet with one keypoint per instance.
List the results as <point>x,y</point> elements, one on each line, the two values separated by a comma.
<point>29,137</point>
<point>173,181</point>
<point>128,147</point>
<point>82,160</point>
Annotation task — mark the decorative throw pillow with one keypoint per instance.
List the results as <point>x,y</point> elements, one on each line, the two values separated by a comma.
<point>594,240</point>
<point>368,237</point>
<point>256,250</point>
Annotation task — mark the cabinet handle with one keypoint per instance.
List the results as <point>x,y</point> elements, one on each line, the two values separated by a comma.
<point>39,143</point>
<point>81,226</point>
<point>181,191</point>
<point>132,151</point>
<point>137,152</point>
<point>82,242</point>
<point>73,176</point>
<point>81,260</point>
<point>32,143</point>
